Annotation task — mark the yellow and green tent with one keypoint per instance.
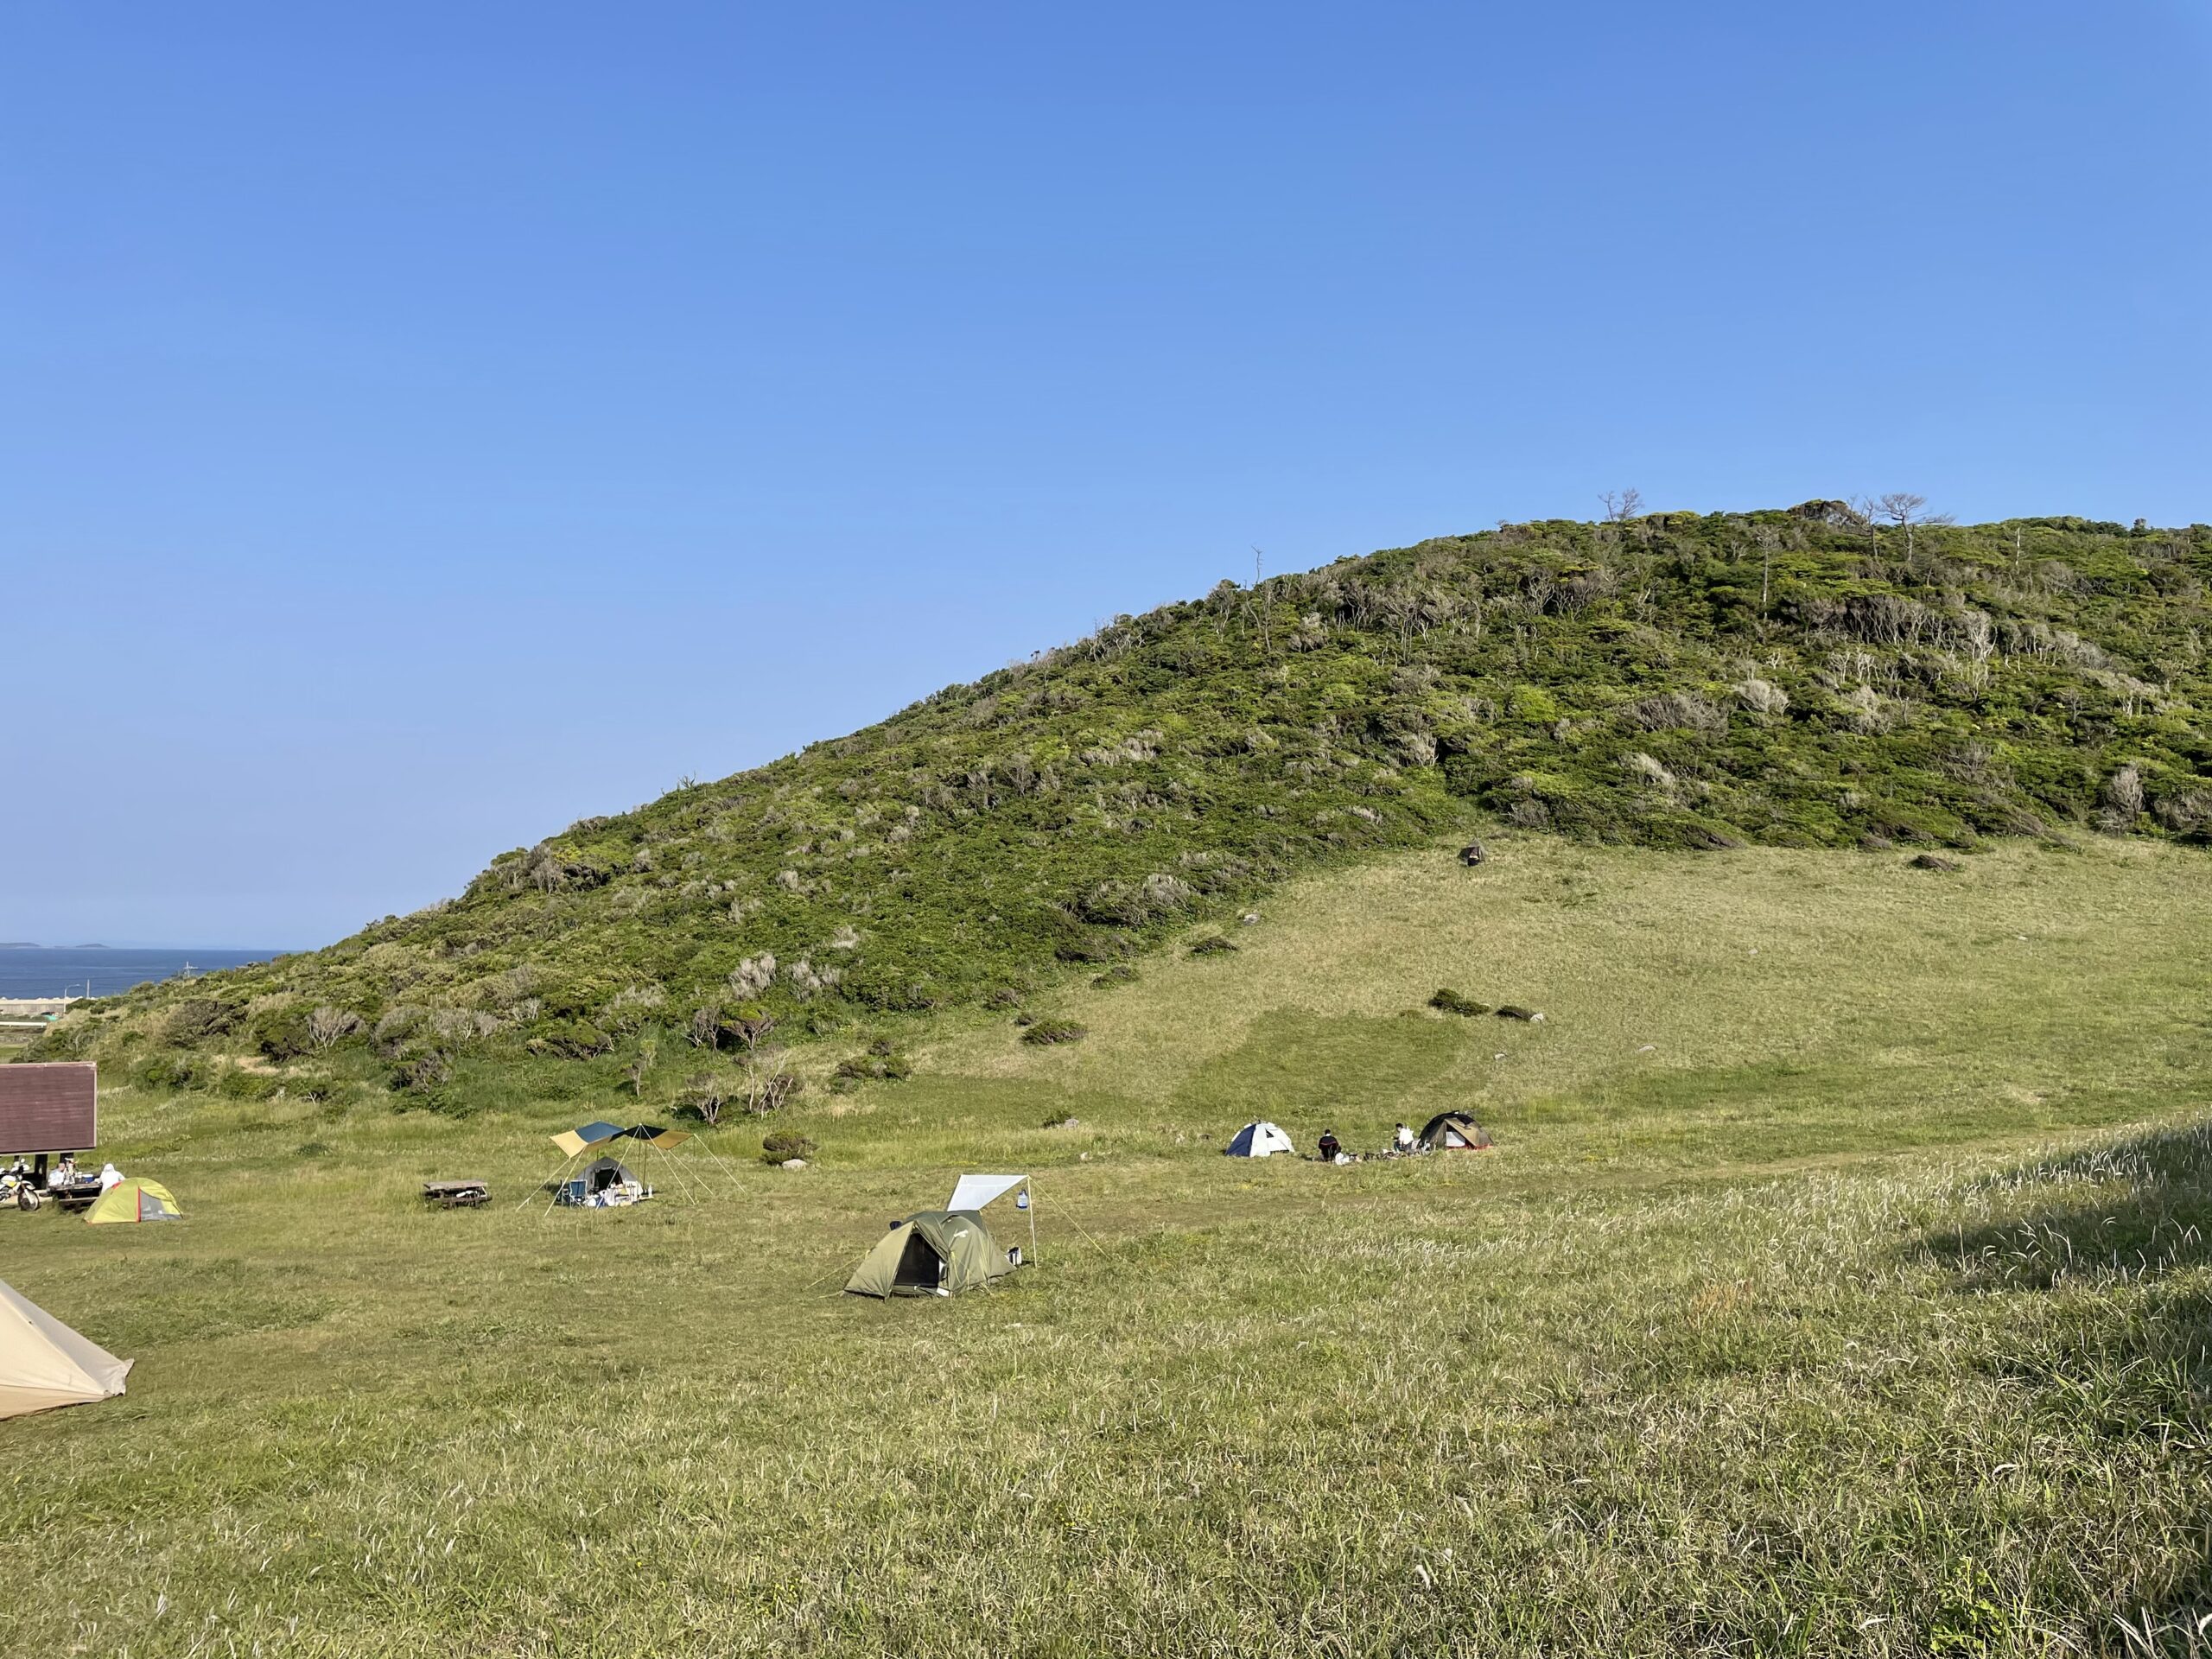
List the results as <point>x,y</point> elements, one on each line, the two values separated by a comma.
<point>135,1200</point>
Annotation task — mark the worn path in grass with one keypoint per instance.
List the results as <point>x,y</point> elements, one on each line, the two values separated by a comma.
<point>1840,1286</point>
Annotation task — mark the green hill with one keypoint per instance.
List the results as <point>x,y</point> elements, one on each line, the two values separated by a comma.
<point>1797,678</point>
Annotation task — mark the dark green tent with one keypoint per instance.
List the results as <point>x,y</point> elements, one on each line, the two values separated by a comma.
<point>933,1253</point>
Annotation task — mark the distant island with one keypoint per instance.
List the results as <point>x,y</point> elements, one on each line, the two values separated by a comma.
<point>32,944</point>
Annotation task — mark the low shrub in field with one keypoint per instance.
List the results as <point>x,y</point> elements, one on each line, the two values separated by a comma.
<point>423,1071</point>
<point>705,1097</point>
<point>1120,974</point>
<point>1447,1000</point>
<point>881,1063</point>
<point>1212,945</point>
<point>235,1082</point>
<point>783,1144</point>
<point>1047,1032</point>
<point>280,1034</point>
<point>158,1071</point>
<point>1515,1011</point>
<point>773,1091</point>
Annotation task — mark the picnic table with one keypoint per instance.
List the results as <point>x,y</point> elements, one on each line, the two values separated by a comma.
<point>456,1195</point>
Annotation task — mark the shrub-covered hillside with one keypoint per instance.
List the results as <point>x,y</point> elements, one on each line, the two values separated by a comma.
<point>1798,678</point>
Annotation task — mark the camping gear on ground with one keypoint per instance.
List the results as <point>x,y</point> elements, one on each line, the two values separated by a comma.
<point>603,1183</point>
<point>1258,1139</point>
<point>602,1188</point>
<point>936,1253</point>
<point>44,1363</point>
<point>134,1200</point>
<point>456,1195</point>
<point>1454,1132</point>
<point>49,1106</point>
<point>974,1192</point>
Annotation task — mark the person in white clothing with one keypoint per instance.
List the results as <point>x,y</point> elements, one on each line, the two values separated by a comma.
<point>109,1176</point>
<point>1404,1139</point>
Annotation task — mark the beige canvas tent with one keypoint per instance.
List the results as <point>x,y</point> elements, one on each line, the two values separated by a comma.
<point>44,1363</point>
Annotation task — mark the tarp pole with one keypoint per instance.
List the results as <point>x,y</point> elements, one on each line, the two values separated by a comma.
<point>557,1176</point>
<point>729,1175</point>
<point>1032,1197</point>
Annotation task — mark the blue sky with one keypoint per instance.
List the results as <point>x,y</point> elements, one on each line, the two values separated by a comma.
<point>421,426</point>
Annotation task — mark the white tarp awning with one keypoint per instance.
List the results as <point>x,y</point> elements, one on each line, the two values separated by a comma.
<point>974,1192</point>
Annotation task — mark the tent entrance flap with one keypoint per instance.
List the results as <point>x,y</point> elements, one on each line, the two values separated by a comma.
<point>920,1268</point>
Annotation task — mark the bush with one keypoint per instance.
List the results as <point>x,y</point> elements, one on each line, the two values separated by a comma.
<point>704,1097</point>
<point>424,1071</point>
<point>158,1071</point>
<point>1120,974</point>
<point>783,1144</point>
<point>1047,1032</point>
<point>880,1063</point>
<point>1212,945</point>
<point>281,1033</point>
<point>773,1093</point>
<point>1450,1001</point>
<point>196,1018</point>
<point>235,1082</point>
<point>1514,1011</point>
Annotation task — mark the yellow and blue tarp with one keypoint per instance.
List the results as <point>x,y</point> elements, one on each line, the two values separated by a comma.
<point>577,1141</point>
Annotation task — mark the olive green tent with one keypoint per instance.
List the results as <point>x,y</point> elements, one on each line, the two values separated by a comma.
<point>933,1253</point>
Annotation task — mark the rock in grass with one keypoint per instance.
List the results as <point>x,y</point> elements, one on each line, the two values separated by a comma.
<point>1047,1032</point>
<point>1934,861</point>
<point>1512,1011</point>
<point>792,1163</point>
<point>1447,1000</point>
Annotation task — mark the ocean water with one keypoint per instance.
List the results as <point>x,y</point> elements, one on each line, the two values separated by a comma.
<point>105,972</point>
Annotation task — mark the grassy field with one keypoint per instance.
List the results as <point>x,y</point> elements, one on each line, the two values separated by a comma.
<point>1839,1285</point>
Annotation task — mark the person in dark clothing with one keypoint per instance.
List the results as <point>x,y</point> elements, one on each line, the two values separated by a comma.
<point>1329,1145</point>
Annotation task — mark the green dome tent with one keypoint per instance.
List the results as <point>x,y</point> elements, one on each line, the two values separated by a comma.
<point>934,1254</point>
